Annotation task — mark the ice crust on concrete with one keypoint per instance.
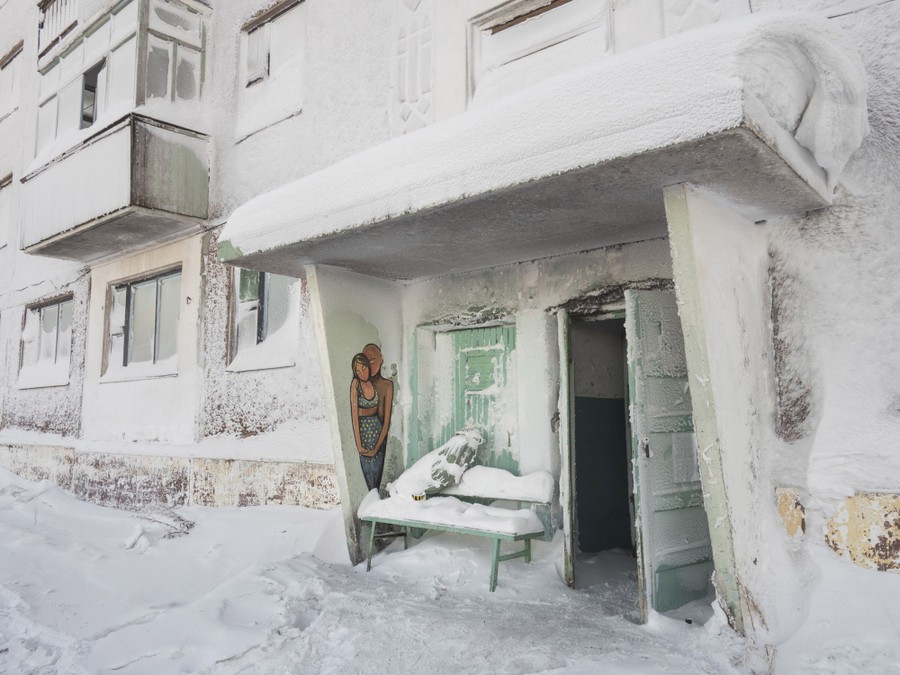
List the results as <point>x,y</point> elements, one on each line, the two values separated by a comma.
<point>674,91</point>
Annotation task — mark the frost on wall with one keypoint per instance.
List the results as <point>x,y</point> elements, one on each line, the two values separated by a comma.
<point>793,396</point>
<point>49,409</point>
<point>254,401</point>
<point>412,77</point>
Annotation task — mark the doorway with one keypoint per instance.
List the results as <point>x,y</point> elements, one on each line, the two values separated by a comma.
<point>644,421</point>
<point>604,514</point>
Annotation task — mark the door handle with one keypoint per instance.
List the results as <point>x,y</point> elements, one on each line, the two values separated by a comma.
<point>645,447</point>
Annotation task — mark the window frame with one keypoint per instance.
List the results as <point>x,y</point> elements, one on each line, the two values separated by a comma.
<point>239,352</point>
<point>30,375</point>
<point>261,24</point>
<point>120,365</point>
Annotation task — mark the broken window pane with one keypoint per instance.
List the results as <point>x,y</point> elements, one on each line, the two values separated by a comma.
<point>89,91</point>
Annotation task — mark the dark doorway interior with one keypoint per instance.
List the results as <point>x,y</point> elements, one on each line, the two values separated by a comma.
<point>603,512</point>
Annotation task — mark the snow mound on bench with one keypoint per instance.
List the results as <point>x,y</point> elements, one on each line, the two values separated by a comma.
<point>440,468</point>
<point>490,483</point>
<point>451,512</point>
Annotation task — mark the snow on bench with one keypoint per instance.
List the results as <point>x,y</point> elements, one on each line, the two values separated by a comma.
<point>449,513</point>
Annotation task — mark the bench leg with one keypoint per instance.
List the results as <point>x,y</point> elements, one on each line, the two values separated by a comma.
<point>528,550</point>
<point>406,538</point>
<point>495,562</point>
<point>371,546</point>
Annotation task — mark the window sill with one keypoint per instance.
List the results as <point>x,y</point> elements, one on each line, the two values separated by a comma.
<point>39,378</point>
<point>127,374</point>
<point>244,365</point>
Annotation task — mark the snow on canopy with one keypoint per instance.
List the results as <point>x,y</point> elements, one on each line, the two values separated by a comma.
<point>674,91</point>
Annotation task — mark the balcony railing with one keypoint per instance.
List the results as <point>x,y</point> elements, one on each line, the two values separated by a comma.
<point>133,185</point>
<point>58,17</point>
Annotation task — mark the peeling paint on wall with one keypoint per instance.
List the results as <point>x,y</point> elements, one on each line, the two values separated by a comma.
<point>142,482</point>
<point>866,530</point>
<point>791,510</point>
<point>792,391</point>
<point>229,482</point>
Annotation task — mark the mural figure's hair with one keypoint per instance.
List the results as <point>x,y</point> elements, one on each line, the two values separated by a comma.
<point>372,344</point>
<point>361,359</point>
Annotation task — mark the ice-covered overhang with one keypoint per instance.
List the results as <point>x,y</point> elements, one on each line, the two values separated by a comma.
<point>764,111</point>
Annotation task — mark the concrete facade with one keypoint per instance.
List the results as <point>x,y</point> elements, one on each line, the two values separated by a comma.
<point>766,238</point>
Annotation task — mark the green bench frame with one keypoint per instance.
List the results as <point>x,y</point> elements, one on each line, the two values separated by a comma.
<point>497,537</point>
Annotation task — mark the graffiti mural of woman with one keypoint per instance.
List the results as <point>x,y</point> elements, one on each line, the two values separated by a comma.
<point>371,400</point>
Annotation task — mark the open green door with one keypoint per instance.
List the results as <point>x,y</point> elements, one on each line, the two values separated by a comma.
<point>674,553</point>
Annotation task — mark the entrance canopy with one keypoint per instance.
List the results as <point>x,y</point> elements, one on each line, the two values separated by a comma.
<point>763,112</point>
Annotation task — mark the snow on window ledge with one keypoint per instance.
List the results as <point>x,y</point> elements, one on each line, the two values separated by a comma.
<point>276,351</point>
<point>141,371</point>
<point>39,375</point>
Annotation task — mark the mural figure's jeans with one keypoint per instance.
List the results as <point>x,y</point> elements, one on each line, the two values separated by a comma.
<point>372,467</point>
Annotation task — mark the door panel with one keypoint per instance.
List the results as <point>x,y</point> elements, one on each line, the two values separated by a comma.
<point>675,557</point>
<point>484,392</point>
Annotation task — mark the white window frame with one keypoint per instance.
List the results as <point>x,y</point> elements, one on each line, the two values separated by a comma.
<point>265,348</point>
<point>36,369</point>
<point>510,14</point>
<point>10,79</point>
<point>119,364</point>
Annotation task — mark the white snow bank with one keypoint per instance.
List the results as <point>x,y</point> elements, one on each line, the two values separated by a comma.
<point>490,483</point>
<point>452,512</point>
<point>670,92</point>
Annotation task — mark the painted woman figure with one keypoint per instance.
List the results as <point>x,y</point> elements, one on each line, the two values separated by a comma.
<point>367,425</point>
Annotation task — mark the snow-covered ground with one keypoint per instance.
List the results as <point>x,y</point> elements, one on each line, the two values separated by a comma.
<point>87,589</point>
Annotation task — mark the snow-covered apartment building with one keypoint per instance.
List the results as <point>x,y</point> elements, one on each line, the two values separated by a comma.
<point>649,246</point>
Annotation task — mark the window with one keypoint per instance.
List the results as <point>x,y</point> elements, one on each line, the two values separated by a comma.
<point>9,80</point>
<point>89,94</point>
<point>525,41</point>
<point>5,209</point>
<point>264,333</point>
<point>271,73</point>
<point>143,325</point>
<point>47,344</point>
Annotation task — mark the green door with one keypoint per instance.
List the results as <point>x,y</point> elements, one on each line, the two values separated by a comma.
<point>484,392</point>
<point>674,553</point>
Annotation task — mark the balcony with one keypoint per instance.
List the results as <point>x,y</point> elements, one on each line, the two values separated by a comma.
<point>58,17</point>
<point>133,185</point>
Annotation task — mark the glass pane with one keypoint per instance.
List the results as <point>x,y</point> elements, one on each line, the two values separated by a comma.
<point>49,321</point>
<point>69,108</point>
<point>169,310</point>
<point>257,55</point>
<point>158,68</point>
<point>31,337</point>
<point>278,301</point>
<point>248,288</point>
<point>46,123</point>
<point>187,74</point>
<point>245,319</point>
<point>117,326</point>
<point>64,334</point>
<point>143,322</point>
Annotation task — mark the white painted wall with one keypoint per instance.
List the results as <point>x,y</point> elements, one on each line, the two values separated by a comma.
<point>157,409</point>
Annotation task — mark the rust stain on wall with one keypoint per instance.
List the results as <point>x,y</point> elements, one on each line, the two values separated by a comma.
<point>791,510</point>
<point>866,530</point>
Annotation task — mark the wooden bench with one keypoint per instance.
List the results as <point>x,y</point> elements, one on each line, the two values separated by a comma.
<point>462,512</point>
